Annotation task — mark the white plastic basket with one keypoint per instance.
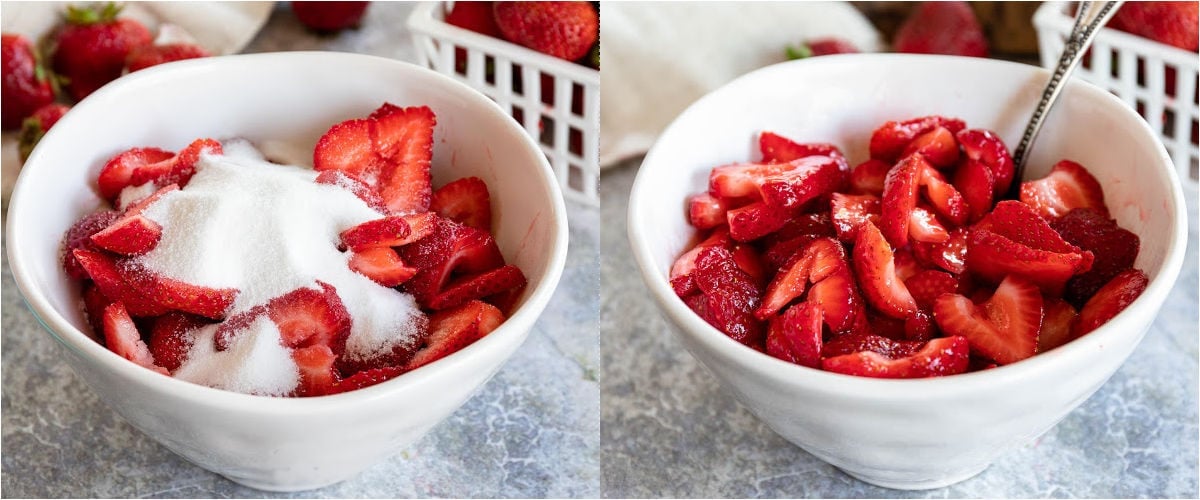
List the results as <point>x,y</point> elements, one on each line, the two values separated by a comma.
<point>565,122</point>
<point>1136,70</point>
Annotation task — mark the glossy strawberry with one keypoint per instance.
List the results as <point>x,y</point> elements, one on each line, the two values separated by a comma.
<point>849,212</point>
<point>876,270</point>
<point>681,270</point>
<point>900,193</point>
<point>939,357</point>
<point>474,16</point>
<point>795,336</point>
<point>1013,240</point>
<point>477,286</point>
<point>1110,300</point>
<point>985,147</point>
<point>117,173</point>
<point>121,337</point>
<point>1004,328</point>
<point>452,330</point>
<point>706,211</point>
<point>890,139</point>
<point>94,303</point>
<point>926,286</point>
<point>130,235</point>
<point>868,177</point>
<point>27,86</point>
<point>941,28</point>
<point>975,182</point>
<point>1115,250</point>
<point>727,296</point>
<point>938,146</point>
<point>566,30</point>
<point>370,377</point>
<point>90,50</point>
<point>782,185</point>
<point>382,265</point>
<point>36,126</point>
<point>329,17</point>
<point>862,341</point>
<point>390,231</point>
<point>755,220</point>
<point>1058,321</point>
<point>465,201</point>
<point>1068,186</point>
<point>813,264</point>
<point>152,55</point>
<point>779,149</point>
<point>950,255</point>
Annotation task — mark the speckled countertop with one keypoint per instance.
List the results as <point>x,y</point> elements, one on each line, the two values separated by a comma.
<point>532,431</point>
<point>668,429</point>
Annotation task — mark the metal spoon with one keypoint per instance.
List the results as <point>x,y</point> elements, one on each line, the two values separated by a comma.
<point>1089,17</point>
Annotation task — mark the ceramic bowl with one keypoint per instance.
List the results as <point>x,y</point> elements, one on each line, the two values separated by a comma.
<point>910,434</point>
<point>262,442</point>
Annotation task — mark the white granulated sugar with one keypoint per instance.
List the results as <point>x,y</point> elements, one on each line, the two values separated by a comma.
<point>255,362</point>
<point>134,193</point>
<point>266,230</point>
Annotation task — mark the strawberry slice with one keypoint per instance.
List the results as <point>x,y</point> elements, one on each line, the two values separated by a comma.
<point>317,374</point>
<point>506,301</point>
<point>305,317</point>
<point>778,149</point>
<point>869,176</point>
<point>1068,186</point>
<point>349,182</point>
<point>860,342</point>
<point>939,357</point>
<point>94,303</point>
<point>706,211</point>
<point>751,263</point>
<point>450,247</point>
<point>178,169</point>
<point>1110,300</point>
<point>454,329</point>
<point>465,201</point>
<point>938,146</point>
<point>900,198</point>
<point>946,200</point>
<point>1004,328</point>
<point>728,296</point>
<point>129,235</point>
<point>795,336</point>
<point>681,270</point>
<point>117,173</point>
<point>889,140</point>
<point>382,265</point>
<point>791,281</point>
<point>404,140</point>
<point>105,271</point>
<point>837,296</point>
<point>926,286</point>
<point>923,227</point>
<point>367,378</point>
<point>784,185</point>
<point>1012,239</point>
<point>177,295</point>
<point>848,212</point>
<point>478,286</point>
<point>1114,248</point>
<point>136,207</point>
<point>950,255</point>
<point>975,182</point>
<point>171,337</point>
<point>390,231</point>
<point>985,147</point>
<point>876,270</point>
<point>906,264</point>
<point>121,337</point>
<point>1056,325</point>
<point>349,147</point>
<point>80,236</point>
<point>755,220</point>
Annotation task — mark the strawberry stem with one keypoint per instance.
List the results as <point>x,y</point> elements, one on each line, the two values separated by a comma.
<point>800,52</point>
<point>92,14</point>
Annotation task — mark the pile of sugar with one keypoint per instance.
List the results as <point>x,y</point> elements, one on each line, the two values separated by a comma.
<point>268,229</point>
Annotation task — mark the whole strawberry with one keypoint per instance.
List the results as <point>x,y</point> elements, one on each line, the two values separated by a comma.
<point>152,55</point>
<point>1172,23</point>
<point>328,17</point>
<point>565,30</point>
<point>942,28</point>
<point>90,50</point>
<point>821,47</point>
<point>27,86</point>
<point>36,125</point>
<point>474,16</point>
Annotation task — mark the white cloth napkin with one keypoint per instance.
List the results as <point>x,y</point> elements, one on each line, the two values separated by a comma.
<point>660,57</point>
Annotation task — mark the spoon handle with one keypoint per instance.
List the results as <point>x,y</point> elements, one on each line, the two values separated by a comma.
<point>1082,33</point>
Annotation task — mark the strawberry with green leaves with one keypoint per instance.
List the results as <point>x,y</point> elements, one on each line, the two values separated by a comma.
<point>27,85</point>
<point>566,30</point>
<point>90,50</point>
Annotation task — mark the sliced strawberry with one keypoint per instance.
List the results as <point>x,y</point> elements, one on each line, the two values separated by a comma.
<point>926,286</point>
<point>975,182</point>
<point>349,147</point>
<point>1114,248</point>
<point>889,140</point>
<point>789,283</point>
<point>938,146</point>
<point>94,303</point>
<point>816,224</point>
<point>390,231</point>
<point>80,236</point>
<point>919,327</point>
<point>118,171</point>
<point>454,329</point>
<point>946,200</point>
<point>477,286</point>
<point>1110,300</point>
<point>465,201</point>
<point>950,255</point>
<point>1004,328</point>
<point>349,182</point>
<point>838,297</point>
<point>367,378</point>
<point>105,271</point>
<point>307,316</point>
<point>860,342</point>
<point>382,265</point>
<point>1068,186</point>
<point>795,336</point>
<point>706,211</point>
<point>317,374</point>
<point>900,198</point>
<point>939,357</point>
<point>729,296</point>
<point>171,338</point>
<point>849,211</point>
<point>121,337</point>
<point>176,170</point>
<point>924,227</point>
<point>177,295</point>
<point>506,301</point>
<point>136,207</point>
<point>681,270</point>
<point>906,264</point>
<point>778,149</point>
<point>869,176</point>
<point>449,248</point>
<point>876,270</point>
<point>785,185</point>
<point>750,262</point>
<point>404,140</point>
<point>1012,239</point>
<point>1056,325</point>
<point>754,221</point>
<point>985,147</point>
<point>129,235</point>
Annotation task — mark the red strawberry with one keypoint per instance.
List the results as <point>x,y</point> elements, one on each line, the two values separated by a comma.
<point>923,227</point>
<point>813,264</point>
<point>755,220</point>
<point>566,30</point>
<point>1068,186</point>
<point>778,149</point>
<point>1014,240</point>
<point>926,286</point>
<point>941,28</point>
<point>477,286</point>
<point>950,255</point>
<point>1110,300</point>
<point>117,173</point>
<point>1056,326</point>
<point>382,265</point>
<point>728,296</point>
<point>851,211</point>
<point>152,55</point>
<point>27,86</point>
<point>821,47</point>
<point>506,301</point>
<point>681,270</point>
<point>129,235</point>
<point>355,185</point>
<point>795,336</point>
<point>859,342</point>
<point>305,317</point>
<point>318,376</point>
<point>939,357</point>
<point>36,126</point>
<point>1004,328</point>
<point>80,236</point>
<point>171,338</point>
<point>876,270</point>
<point>783,185</point>
<point>900,193</point>
<point>942,196</point>
<point>750,262</point>
<point>1115,250</point>
<point>906,265</point>
<point>174,294</point>
<point>974,181</point>
<point>986,147</point>
<point>938,146</point>
<point>121,337</point>
<point>474,16</point>
<point>90,50</point>
<point>838,297</point>
<point>349,147</point>
<point>869,176</point>
<point>328,17</point>
<point>890,139</point>
<point>450,248</point>
<point>390,231</point>
<point>94,303</point>
<point>706,211</point>
<point>454,329</point>
<point>106,273</point>
<point>177,170</point>
<point>465,201</point>
<point>370,377</point>
<point>390,151</point>
<point>1172,23</point>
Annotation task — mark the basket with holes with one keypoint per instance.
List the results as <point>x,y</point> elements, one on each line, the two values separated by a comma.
<point>1155,79</point>
<point>556,101</point>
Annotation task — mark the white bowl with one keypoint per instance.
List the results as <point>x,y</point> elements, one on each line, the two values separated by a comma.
<point>277,443</point>
<point>910,434</point>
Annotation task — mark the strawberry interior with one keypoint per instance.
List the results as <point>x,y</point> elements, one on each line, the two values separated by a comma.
<point>908,265</point>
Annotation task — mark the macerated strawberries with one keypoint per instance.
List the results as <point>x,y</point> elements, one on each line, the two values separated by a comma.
<point>910,264</point>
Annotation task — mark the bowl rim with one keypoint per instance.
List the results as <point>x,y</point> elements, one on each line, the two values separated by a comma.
<point>517,324</point>
<point>690,325</point>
